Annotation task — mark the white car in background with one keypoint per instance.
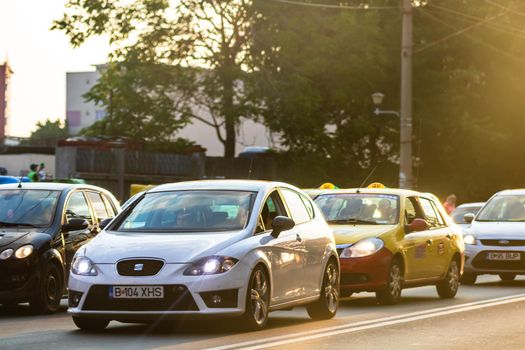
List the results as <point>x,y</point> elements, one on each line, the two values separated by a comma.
<point>495,241</point>
<point>458,215</point>
<point>208,248</point>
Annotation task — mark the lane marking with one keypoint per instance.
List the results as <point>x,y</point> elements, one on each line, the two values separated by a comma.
<point>369,324</point>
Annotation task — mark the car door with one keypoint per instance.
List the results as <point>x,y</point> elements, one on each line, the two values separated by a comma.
<point>286,252</point>
<point>77,207</point>
<point>314,239</point>
<point>440,236</point>
<point>416,246</point>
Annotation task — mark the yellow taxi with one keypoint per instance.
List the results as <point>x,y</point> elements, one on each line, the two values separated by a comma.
<point>391,239</point>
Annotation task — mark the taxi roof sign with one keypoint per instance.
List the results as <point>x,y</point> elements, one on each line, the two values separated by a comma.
<point>328,186</point>
<point>376,185</point>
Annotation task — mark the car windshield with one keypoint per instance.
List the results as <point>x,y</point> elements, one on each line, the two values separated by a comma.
<point>457,215</point>
<point>27,207</point>
<point>357,208</point>
<point>189,211</point>
<point>503,208</point>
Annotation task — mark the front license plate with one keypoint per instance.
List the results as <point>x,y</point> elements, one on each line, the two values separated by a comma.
<point>136,292</point>
<point>511,256</point>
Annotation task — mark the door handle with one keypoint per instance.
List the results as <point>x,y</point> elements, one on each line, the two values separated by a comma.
<point>298,238</point>
<point>429,242</point>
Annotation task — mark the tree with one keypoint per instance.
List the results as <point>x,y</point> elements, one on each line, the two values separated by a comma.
<point>48,133</point>
<point>211,34</point>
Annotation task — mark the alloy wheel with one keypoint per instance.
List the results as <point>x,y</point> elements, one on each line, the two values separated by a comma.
<point>331,289</point>
<point>259,297</point>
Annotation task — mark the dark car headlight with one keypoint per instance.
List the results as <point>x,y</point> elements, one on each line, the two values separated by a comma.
<point>6,254</point>
<point>211,266</point>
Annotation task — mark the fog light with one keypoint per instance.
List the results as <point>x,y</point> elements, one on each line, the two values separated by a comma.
<point>74,298</point>
<point>216,299</point>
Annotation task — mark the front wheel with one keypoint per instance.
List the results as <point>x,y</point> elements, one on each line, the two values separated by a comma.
<point>257,300</point>
<point>391,294</point>
<point>326,307</point>
<point>88,324</point>
<point>449,286</point>
<point>49,292</point>
<point>507,276</point>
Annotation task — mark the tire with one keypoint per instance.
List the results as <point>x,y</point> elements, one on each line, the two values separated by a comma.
<point>468,278</point>
<point>391,294</point>
<point>50,290</point>
<point>256,311</point>
<point>326,307</point>
<point>449,286</point>
<point>507,276</point>
<point>345,293</point>
<point>88,324</point>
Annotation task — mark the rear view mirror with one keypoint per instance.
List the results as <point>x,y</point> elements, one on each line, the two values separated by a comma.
<point>104,223</point>
<point>75,224</point>
<point>280,224</point>
<point>417,225</point>
<point>469,217</point>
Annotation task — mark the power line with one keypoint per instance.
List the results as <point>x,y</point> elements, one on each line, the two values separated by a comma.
<point>505,8</point>
<point>340,6</point>
<point>462,31</point>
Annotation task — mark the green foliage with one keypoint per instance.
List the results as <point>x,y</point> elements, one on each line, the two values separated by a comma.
<point>47,133</point>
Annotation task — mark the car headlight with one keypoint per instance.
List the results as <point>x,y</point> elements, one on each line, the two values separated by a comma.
<point>211,265</point>
<point>6,254</point>
<point>83,266</point>
<point>24,251</point>
<point>362,248</point>
<point>469,239</point>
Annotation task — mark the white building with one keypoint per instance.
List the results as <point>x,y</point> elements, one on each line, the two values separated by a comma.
<point>81,114</point>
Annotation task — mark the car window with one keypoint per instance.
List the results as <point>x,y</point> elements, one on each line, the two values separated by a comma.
<point>296,205</point>
<point>309,206</point>
<point>109,206</point>
<point>78,208</point>
<point>272,207</point>
<point>33,207</point>
<point>431,215</point>
<point>410,210</point>
<point>99,207</point>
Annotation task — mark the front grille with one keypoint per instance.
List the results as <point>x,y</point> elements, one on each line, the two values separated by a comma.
<point>503,242</point>
<point>139,267</point>
<point>176,298</point>
<point>481,262</point>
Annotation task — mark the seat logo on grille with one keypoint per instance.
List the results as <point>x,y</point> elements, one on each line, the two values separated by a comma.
<point>503,242</point>
<point>138,267</point>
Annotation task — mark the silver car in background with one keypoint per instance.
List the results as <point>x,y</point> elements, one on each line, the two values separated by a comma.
<point>458,215</point>
<point>495,241</point>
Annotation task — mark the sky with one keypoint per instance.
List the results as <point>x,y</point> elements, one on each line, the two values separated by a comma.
<point>40,59</point>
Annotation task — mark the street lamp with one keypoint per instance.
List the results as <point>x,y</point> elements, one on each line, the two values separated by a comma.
<point>405,149</point>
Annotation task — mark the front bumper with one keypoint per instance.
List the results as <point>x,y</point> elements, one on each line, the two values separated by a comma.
<point>368,273</point>
<point>18,280</point>
<point>476,260</point>
<point>184,296</point>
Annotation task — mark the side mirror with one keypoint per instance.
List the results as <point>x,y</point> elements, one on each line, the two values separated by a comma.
<point>104,223</point>
<point>76,224</point>
<point>280,224</point>
<point>417,225</point>
<point>469,217</point>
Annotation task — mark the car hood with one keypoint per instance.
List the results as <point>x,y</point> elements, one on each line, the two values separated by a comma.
<point>10,236</point>
<point>349,234</point>
<point>497,230</point>
<point>109,246</point>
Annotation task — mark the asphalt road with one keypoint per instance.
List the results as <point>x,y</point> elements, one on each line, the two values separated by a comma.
<point>489,314</point>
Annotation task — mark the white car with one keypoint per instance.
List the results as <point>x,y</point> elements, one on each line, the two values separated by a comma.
<point>458,215</point>
<point>223,248</point>
<point>495,241</point>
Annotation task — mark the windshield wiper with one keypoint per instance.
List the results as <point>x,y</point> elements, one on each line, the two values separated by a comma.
<point>14,224</point>
<point>352,221</point>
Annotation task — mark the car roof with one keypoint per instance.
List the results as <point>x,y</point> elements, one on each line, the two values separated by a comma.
<point>238,185</point>
<point>53,186</point>
<point>471,205</point>
<point>391,191</point>
<point>518,191</point>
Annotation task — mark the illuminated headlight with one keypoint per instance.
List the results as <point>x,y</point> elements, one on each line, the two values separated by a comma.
<point>24,251</point>
<point>211,266</point>
<point>469,239</point>
<point>362,248</point>
<point>6,254</point>
<point>83,266</point>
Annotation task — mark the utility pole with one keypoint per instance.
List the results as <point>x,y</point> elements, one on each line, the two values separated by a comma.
<point>405,151</point>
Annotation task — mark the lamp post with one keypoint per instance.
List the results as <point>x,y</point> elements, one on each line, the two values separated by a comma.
<point>405,150</point>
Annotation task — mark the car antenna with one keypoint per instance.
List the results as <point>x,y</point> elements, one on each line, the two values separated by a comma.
<point>366,179</point>
<point>20,182</point>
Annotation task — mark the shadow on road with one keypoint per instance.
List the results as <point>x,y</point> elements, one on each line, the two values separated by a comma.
<point>24,310</point>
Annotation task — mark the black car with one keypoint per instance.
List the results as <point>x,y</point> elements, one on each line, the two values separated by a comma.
<point>41,227</point>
